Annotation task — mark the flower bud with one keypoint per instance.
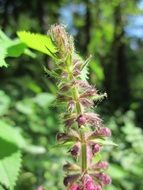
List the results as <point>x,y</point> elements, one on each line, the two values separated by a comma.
<point>104,178</point>
<point>95,148</point>
<point>81,120</point>
<point>101,132</point>
<point>71,106</point>
<point>63,42</point>
<point>104,132</point>
<point>86,102</point>
<point>71,136</point>
<point>74,187</point>
<point>97,187</point>
<point>88,182</point>
<point>75,150</point>
<point>101,165</point>
<point>92,119</point>
<point>70,179</point>
<point>90,92</point>
<point>40,188</point>
<point>62,137</point>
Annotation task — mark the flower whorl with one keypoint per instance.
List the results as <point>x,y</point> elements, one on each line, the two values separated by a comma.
<point>82,127</point>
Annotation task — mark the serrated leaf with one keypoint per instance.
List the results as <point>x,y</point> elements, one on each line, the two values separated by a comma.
<point>11,48</point>
<point>3,53</point>
<point>10,163</point>
<point>42,43</point>
<point>84,73</point>
<point>84,69</point>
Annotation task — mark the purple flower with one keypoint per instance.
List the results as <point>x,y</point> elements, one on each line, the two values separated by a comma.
<point>71,105</point>
<point>75,150</point>
<point>70,179</point>
<point>95,148</point>
<point>86,102</point>
<point>81,120</point>
<point>101,165</point>
<point>74,187</point>
<point>92,118</point>
<point>103,131</point>
<point>97,187</point>
<point>104,178</point>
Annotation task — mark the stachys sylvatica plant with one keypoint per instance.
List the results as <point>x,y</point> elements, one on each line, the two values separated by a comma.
<point>84,130</point>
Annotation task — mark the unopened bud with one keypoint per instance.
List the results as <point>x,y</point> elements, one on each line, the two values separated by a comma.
<point>71,106</point>
<point>104,178</point>
<point>75,150</point>
<point>74,187</point>
<point>103,131</point>
<point>97,187</point>
<point>101,165</point>
<point>88,182</point>
<point>81,120</point>
<point>95,148</point>
<point>62,137</point>
<point>70,179</point>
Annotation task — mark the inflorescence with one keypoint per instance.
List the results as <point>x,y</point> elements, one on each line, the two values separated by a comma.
<point>84,129</point>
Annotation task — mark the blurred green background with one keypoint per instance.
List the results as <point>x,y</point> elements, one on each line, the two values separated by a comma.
<point>110,30</point>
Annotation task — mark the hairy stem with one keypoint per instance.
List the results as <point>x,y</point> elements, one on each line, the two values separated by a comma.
<point>79,111</point>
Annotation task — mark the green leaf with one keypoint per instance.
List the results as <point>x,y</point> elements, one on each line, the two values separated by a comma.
<point>11,134</point>
<point>3,53</point>
<point>10,163</point>
<point>42,43</point>
<point>97,158</point>
<point>105,142</point>
<point>16,49</point>
<point>11,48</point>
<point>17,139</point>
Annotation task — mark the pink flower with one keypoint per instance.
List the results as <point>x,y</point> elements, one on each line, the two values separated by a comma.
<point>101,165</point>
<point>95,148</point>
<point>75,150</point>
<point>81,120</point>
<point>88,183</point>
<point>74,187</point>
<point>97,187</point>
<point>104,178</point>
<point>103,131</point>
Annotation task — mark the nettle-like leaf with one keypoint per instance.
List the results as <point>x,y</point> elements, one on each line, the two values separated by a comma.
<point>3,54</point>
<point>10,163</point>
<point>85,70</point>
<point>39,42</point>
<point>11,48</point>
<point>11,143</point>
<point>10,156</point>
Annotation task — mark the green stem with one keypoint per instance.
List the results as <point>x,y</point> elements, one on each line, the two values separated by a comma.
<point>82,134</point>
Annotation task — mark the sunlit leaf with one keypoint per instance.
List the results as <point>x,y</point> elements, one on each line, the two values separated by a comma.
<point>42,43</point>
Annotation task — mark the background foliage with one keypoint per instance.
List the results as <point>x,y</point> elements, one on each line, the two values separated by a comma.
<point>112,33</point>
